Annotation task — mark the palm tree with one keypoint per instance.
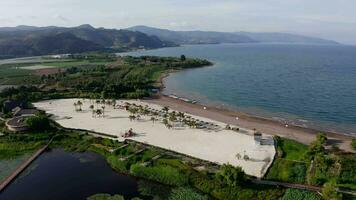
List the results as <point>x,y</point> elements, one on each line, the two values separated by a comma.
<point>165,109</point>
<point>153,119</point>
<point>103,101</point>
<point>132,117</point>
<point>98,112</point>
<point>165,122</point>
<point>91,107</point>
<point>103,107</point>
<point>181,115</point>
<point>169,126</point>
<point>79,103</point>
<point>113,103</point>
<point>75,106</point>
<point>193,124</point>
<point>97,102</point>
<point>172,116</point>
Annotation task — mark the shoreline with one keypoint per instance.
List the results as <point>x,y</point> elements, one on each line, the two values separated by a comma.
<point>265,125</point>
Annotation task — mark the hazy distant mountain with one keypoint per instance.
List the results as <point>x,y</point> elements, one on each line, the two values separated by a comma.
<point>286,38</point>
<point>29,40</point>
<point>58,43</point>
<point>203,37</point>
<point>193,37</point>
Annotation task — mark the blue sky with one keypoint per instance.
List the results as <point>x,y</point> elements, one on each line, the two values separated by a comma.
<point>332,19</point>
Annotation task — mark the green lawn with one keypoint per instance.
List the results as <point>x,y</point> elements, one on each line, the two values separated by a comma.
<point>292,150</point>
<point>289,165</point>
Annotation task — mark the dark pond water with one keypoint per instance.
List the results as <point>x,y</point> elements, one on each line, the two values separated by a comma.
<point>60,175</point>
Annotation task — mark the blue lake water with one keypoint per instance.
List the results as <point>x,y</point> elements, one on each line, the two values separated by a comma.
<point>308,85</point>
<point>59,175</point>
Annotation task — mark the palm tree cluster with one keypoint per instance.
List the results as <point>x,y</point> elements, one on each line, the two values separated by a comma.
<point>78,106</point>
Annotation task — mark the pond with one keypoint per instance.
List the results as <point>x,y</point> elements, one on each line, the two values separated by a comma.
<point>59,175</point>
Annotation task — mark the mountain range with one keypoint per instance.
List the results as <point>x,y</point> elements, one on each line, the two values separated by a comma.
<point>32,41</point>
<point>205,37</point>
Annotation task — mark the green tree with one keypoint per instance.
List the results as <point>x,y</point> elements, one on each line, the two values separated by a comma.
<point>39,122</point>
<point>231,176</point>
<point>185,194</point>
<point>183,58</point>
<point>329,192</point>
<point>353,144</point>
<point>321,138</point>
<point>105,197</point>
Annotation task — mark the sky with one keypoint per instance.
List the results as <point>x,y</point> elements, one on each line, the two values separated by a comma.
<point>330,19</point>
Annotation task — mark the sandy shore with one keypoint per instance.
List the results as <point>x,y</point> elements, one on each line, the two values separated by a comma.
<point>303,135</point>
<point>216,144</point>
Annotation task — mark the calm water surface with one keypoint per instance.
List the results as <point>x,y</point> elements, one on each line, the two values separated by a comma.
<point>307,85</point>
<point>59,175</point>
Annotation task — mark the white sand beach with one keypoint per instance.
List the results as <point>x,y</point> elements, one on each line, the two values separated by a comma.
<point>216,144</point>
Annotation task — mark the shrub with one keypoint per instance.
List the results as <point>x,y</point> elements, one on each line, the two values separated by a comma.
<point>155,190</point>
<point>39,122</point>
<point>329,192</point>
<point>163,174</point>
<point>353,144</point>
<point>105,197</point>
<point>231,176</point>
<point>118,165</point>
<point>348,169</point>
<point>294,194</point>
<point>186,193</point>
<point>286,170</point>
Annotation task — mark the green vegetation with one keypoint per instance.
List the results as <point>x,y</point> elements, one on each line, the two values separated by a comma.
<point>95,75</point>
<point>15,145</point>
<point>353,144</point>
<point>162,174</point>
<point>314,165</point>
<point>293,194</point>
<point>105,197</point>
<point>232,176</point>
<point>186,193</point>
<point>289,165</point>
<point>329,192</point>
<point>39,122</point>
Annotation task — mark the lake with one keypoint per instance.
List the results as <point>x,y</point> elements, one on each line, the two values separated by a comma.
<point>59,175</point>
<point>305,85</point>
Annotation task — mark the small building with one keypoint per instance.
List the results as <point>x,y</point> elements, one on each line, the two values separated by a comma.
<point>24,112</point>
<point>257,137</point>
<point>9,105</point>
<point>17,124</point>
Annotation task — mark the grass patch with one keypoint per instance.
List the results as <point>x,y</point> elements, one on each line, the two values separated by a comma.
<point>289,171</point>
<point>294,194</point>
<point>347,177</point>
<point>290,149</point>
<point>289,165</point>
<point>163,174</point>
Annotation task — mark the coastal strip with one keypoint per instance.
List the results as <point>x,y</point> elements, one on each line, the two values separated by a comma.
<point>22,167</point>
